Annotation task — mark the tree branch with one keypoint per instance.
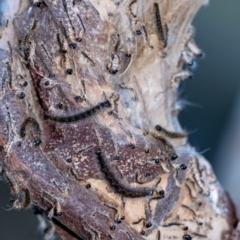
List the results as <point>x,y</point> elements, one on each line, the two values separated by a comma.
<point>89,129</point>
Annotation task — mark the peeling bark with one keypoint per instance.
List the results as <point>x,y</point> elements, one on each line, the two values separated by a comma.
<point>88,121</point>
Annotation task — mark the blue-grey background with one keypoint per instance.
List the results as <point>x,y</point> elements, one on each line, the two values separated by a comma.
<point>215,89</point>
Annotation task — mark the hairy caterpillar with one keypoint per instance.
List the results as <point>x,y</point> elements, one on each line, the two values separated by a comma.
<point>170,134</point>
<point>79,116</point>
<point>161,30</point>
<point>36,132</point>
<point>121,188</point>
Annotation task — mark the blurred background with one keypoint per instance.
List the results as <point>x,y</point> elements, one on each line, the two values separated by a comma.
<point>213,117</point>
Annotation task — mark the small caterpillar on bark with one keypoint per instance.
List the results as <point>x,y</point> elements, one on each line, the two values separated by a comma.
<point>174,156</point>
<point>9,71</point>
<point>79,116</point>
<point>61,44</point>
<point>36,132</point>
<point>170,134</point>
<point>121,188</point>
<point>23,201</point>
<point>10,51</point>
<point>29,33</point>
<point>162,30</point>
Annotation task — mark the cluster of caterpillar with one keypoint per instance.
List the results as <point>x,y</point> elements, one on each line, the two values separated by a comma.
<point>120,187</point>
<point>79,116</point>
<point>35,130</point>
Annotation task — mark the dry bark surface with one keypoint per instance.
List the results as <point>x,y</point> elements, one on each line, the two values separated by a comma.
<point>89,132</point>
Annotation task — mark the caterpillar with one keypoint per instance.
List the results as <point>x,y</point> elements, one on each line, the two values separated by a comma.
<point>23,201</point>
<point>61,44</point>
<point>174,156</point>
<point>10,51</point>
<point>81,22</point>
<point>162,32</point>
<point>12,182</point>
<point>27,198</point>
<point>29,33</point>
<point>27,46</point>
<point>130,8</point>
<point>9,71</point>
<point>79,116</point>
<point>36,132</point>
<point>170,134</point>
<point>120,187</point>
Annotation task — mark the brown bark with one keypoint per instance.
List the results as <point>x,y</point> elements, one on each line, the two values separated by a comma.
<point>83,86</point>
